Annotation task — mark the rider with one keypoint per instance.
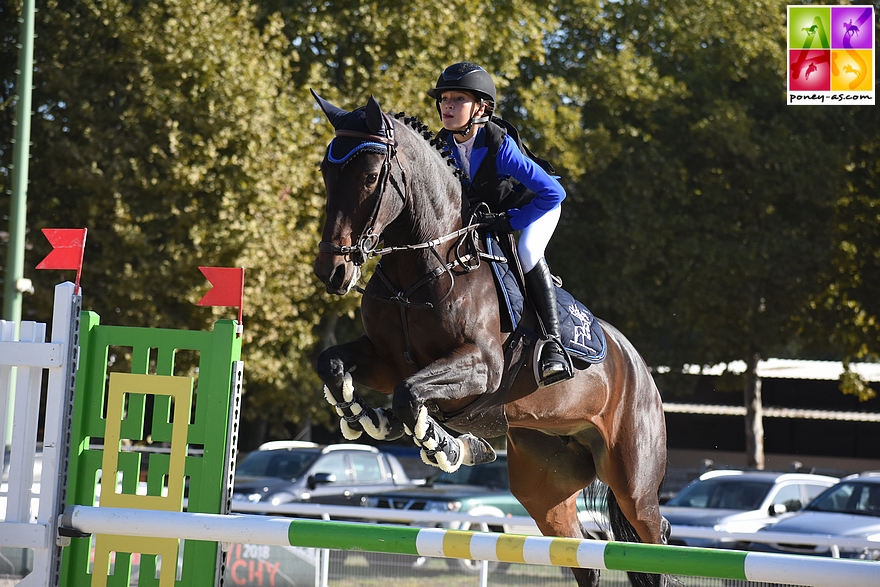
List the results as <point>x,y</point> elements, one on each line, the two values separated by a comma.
<point>465,95</point>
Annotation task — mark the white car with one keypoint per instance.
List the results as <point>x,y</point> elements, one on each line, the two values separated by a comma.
<point>738,501</point>
<point>849,510</point>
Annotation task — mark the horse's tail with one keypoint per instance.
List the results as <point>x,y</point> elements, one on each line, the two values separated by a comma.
<point>619,528</point>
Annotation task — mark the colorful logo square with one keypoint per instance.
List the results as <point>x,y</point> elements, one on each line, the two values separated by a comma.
<point>852,27</point>
<point>852,71</point>
<point>810,71</point>
<point>831,55</point>
<point>808,27</point>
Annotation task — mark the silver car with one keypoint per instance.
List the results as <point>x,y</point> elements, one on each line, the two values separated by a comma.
<point>849,510</point>
<point>285,471</point>
<point>738,501</point>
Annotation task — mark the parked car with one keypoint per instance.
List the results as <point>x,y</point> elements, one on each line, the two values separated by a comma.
<point>288,471</point>
<point>850,509</point>
<point>483,490</point>
<point>738,501</point>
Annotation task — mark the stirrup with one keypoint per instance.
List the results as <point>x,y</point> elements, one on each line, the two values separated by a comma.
<point>558,377</point>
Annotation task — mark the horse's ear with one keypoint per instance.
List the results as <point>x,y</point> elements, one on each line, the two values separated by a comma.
<point>376,120</point>
<point>334,113</point>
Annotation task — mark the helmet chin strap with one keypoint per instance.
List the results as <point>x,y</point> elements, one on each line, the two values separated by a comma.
<point>471,122</point>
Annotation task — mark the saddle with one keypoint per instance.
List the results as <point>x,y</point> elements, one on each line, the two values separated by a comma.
<point>582,336</point>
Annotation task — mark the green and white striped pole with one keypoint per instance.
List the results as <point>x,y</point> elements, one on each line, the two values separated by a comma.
<point>510,548</point>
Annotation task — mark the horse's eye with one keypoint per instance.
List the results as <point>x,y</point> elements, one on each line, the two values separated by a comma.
<point>371,179</point>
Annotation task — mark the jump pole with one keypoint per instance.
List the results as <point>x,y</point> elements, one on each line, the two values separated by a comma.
<point>510,548</point>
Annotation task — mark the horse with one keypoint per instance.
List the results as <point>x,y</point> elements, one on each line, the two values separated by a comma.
<point>433,341</point>
<point>851,29</point>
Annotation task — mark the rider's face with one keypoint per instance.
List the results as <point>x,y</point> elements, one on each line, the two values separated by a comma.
<point>456,108</point>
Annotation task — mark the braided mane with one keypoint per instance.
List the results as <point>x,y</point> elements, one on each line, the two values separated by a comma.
<point>432,139</point>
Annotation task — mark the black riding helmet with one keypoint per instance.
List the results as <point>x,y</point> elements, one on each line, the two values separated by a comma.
<point>467,77</point>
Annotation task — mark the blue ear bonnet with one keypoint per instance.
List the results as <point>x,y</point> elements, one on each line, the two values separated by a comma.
<point>342,149</point>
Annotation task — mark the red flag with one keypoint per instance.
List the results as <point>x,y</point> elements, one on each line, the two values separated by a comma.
<point>228,287</point>
<point>68,248</point>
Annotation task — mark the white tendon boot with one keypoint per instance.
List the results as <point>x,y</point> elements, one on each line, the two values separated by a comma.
<point>440,449</point>
<point>358,417</point>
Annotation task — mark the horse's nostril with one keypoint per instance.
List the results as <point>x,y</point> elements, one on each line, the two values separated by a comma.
<point>337,278</point>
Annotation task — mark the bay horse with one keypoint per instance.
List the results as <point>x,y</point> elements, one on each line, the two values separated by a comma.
<point>433,341</point>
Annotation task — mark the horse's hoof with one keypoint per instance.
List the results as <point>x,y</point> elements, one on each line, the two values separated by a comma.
<point>448,460</point>
<point>350,430</point>
<point>477,451</point>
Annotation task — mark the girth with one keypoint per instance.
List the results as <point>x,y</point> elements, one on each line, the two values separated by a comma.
<point>402,298</point>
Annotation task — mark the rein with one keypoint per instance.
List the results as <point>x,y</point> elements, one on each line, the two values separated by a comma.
<point>428,244</point>
<point>368,240</point>
<point>468,262</point>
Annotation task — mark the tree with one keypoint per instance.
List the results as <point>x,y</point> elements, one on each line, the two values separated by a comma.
<point>171,131</point>
<point>848,308</point>
<point>711,204</point>
<point>182,133</point>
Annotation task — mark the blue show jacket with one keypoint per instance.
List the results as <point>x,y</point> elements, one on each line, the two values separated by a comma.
<point>514,184</point>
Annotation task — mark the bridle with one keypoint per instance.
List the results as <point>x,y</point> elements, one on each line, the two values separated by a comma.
<point>368,239</point>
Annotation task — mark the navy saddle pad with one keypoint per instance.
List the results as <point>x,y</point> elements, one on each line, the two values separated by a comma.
<point>581,333</point>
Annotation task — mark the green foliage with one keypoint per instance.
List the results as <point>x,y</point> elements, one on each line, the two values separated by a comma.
<point>172,132</point>
<point>182,133</point>
<point>713,200</point>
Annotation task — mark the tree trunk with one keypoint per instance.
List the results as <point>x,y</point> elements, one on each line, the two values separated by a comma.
<point>754,416</point>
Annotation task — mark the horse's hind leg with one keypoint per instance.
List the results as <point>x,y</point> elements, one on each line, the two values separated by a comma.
<point>338,367</point>
<point>634,480</point>
<point>546,476</point>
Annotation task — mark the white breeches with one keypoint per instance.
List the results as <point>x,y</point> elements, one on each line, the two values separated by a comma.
<point>533,238</point>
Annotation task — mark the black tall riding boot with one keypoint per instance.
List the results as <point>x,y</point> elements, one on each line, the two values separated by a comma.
<point>542,293</point>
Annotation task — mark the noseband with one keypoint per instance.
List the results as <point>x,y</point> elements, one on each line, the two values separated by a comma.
<point>368,240</point>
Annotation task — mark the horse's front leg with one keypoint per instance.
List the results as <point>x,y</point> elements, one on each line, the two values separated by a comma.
<point>338,367</point>
<point>463,373</point>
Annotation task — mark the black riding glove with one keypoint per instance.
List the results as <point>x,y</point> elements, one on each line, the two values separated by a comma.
<point>496,222</point>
